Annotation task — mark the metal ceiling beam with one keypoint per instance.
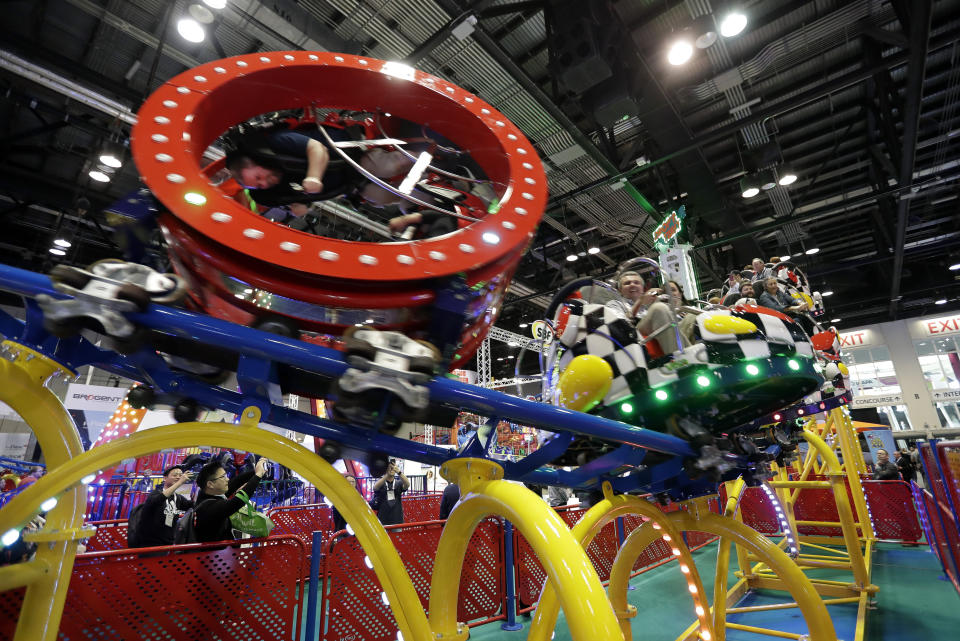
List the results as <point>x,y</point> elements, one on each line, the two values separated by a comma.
<point>920,17</point>
<point>505,60</point>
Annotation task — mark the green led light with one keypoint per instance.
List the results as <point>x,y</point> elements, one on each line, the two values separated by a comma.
<point>626,408</point>
<point>752,369</point>
<point>703,381</point>
<point>661,395</point>
<point>792,364</point>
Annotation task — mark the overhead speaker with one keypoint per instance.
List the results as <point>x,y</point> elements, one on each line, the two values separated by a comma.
<point>612,100</point>
<point>583,40</point>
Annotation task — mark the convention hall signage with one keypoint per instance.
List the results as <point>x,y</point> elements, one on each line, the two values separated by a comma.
<point>93,398</point>
<point>939,326</point>
<point>877,401</point>
<point>858,338</point>
<point>946,395</point>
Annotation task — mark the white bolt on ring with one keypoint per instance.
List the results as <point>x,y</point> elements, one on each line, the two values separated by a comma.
<point>338,58</point>
<point>163,158</point>
<point>326,254</point>
<point>159,138</point>
<point>161,120</point>
<point>363,62</point>
<point>468,99</point>
<point>508,225</point>
<point>485,111</point>
<point>500,123</point>
<point>170,104</point>
<point>253,234</point>
<point>527,165</point>
<point>200,78</point>
<point>367,259</point>
<point>188,118</point>
<point>288,57</point>
<point>521,151</point>
<point>176,178</point>
<point>220,217</point>
<point>511,136</point>
<point>241,63</point>
<point>220,70</point>
<point>521,211</point>
<point>530,181</point>
<point>264,59</point>
<point>313,57</point>
<point>183,90</point>
<point>526,196</point>
<point>287,246</point>
<point>403,259</point>
<point>435,255</point>
<point>466,249</point>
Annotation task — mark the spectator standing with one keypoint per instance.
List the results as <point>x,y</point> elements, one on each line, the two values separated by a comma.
<point>163,508</point>
<point>387,492</point>
<point>884,470</point>
<point>340,523</point>
<point>451,496</point>
<point>905,465</point>
<point>557,496</point>
<point>213,507</point>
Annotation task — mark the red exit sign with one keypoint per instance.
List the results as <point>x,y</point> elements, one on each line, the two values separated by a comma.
<point>948,325</point>
<point>854,339</point>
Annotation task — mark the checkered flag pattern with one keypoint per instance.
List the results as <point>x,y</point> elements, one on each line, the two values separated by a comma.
<point>776,330</point>
<point>598,330</point>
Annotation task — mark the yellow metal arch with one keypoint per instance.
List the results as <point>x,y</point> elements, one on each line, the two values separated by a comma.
<point>401,594</point>
<point>484,493</point>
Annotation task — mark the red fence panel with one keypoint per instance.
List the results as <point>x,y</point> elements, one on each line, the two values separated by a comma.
<point>418,508</point>
<point>353,598</point>
<point>110,535</point>
<point>756,508</point>
<point>204,592</point>
<point>893,513</point>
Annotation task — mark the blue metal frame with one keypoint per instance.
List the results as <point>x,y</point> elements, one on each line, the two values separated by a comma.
<point>261,353</point>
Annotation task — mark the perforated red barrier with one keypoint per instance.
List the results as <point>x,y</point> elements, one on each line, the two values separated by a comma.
<point>110,535</point>
<point>893,513</point>
<point>757,509</point>
<point>421,507</point>
<point>207,592</point>
<point>354,607</point>
<point>941,521</point>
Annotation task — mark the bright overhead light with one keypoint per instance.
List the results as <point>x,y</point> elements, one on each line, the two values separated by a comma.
<point>572,257</point>
<point>829,292</point>
<point>110,160</point>
<point>732,24</point>
<point>942,301</point>
<point>954,267</point>
<point>784,258</point>
<point>787,179</point>
<point>835,320</point>
<point>812,251</point>
<point>215,4</point>
<point>524,325</point>
<point>56,251</point>
<point>680,52</point>
<point>750,192</point>
<point>748,186</point>
<point>99,176</point>
<point>60,242</point>
<point>593,250</point>
<point>190,30</point>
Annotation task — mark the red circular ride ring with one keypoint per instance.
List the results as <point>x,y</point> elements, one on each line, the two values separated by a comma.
<point>190,111</point>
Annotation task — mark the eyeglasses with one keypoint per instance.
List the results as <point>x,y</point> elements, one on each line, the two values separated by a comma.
<point>222,476</point>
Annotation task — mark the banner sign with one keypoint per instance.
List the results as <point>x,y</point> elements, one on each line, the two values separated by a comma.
<point>95,398</point>
<point>946,395</point>
<point>876,401</point>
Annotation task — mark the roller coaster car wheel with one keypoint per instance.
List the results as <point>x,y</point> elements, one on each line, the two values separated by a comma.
<point>65,328</point>
<point>70,276</point>
<point>141,397</point>
<point>356,346</point>
<point>279,326</point>
<point>330,451</point>
<point>186,410</point>
<point>426,364</point>
<point>129,344</point>
<point>134,294</point>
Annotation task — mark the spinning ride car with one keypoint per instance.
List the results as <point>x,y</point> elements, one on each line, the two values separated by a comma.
<point>244,268</point>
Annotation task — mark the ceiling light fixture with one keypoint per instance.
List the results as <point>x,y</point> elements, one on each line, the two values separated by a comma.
<point>732,24</point>
<point>99,176</point>
<point>812,251</point>
<point>835,320</point>
<point>784,258</point>
<point>215,4</point>
<point>748,187</point>
<point>190,30</point>
<point>524,325</point>
<point>767,179</point>
<point>680,52</point>
<point>57,251</point>
<point>829,292</point>
<point>593,250</point>
<point>941,301</point>
<point>572,257</point>
<point>788,178</point>
<point>954,267</point>
<point>61,242</point>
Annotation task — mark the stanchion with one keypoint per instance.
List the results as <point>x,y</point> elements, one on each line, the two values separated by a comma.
<point>316,549</point>
<point>510,602</point>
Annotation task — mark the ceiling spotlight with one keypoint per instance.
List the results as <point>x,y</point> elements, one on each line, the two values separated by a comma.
<point>829,292</point>
<point>572,257</point>
<point>732,24</point>
<point>524,325</point>
<point>680,52</point>
<point>784,258</point>
<point>941,301</point>
<point>812,251</point>
<point>60,242</point>
<point>215,4</point>
<point>110,160</point>
<point>750,192</point>
<point>835,320</point>
<point>57,251</point>
<point>707,29</point>
<point>787,178</point>
<point>593,250</point>
<point>99,176</point>
<point>767,180</point>
<point>954,267</point>
<point>190,30</point>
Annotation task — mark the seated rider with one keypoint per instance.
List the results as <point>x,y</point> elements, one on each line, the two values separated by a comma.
<point>283,166</point>
<point>654,319</point>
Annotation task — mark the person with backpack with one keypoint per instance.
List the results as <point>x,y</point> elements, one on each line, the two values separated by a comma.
<point>211,516</point>
<point>152,522</point>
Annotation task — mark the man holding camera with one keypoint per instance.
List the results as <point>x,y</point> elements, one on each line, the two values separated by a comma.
<point>387,492</point>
